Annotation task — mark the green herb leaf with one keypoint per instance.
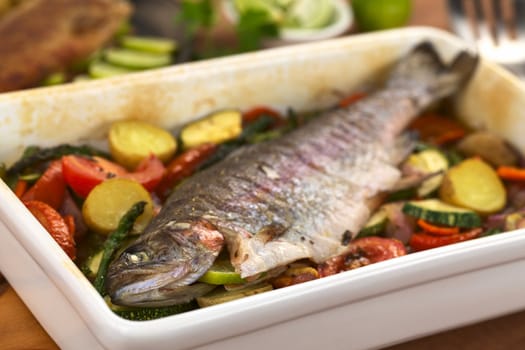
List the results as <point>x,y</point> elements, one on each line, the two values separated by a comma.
<point>196,14</point>
<point>252,27</point>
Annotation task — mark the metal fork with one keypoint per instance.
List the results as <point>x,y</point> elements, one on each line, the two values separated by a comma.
<point>497,27</point>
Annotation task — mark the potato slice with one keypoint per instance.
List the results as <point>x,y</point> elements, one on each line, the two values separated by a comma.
<point>475,185</point>
<point>131,141</point>
<point>491,147</point>
<point>109,201</point>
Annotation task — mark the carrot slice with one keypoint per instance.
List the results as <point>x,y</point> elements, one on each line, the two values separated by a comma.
<point>347,101</point>
<point>256,112</point>
<point>20,188</point>
<point>423,240</point>
<point>437,230</point>
<point>511,173</point>
<point>55,224</point>
<point>437,129</point>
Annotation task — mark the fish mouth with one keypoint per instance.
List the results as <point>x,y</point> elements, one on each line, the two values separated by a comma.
<point>160,267</point>
<point>150,287</point>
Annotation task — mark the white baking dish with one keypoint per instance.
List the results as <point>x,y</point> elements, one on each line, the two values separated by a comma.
<point>370,307</point>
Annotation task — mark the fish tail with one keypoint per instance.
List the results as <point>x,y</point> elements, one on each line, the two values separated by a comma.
<point>423,69</point>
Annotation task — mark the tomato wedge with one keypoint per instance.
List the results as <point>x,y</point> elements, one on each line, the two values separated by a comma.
<point>50,188</point>
<point>55,224</point>
<point>82,174</point>
<point>423,240</point>
<point>361,252</point>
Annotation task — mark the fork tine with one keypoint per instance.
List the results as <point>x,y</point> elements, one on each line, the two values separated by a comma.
<point>500,26</point>
<point>482,15</point>
<point>519,18</point>
<point>460,20</point>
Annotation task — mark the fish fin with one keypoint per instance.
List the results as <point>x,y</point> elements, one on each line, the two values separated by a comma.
<point>403,146</point>
<point>269,232</point>
<point>423,68</point>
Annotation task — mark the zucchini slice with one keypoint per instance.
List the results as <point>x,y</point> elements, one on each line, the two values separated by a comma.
<point>220,295</point>
<point>148,44</point>
<point>93,263</point>
<point>217,128</point>
<point>429,161</point>
<point>438,212</point>
<point>99,70</point>
<point>375,225</point>
<point>136,59</point>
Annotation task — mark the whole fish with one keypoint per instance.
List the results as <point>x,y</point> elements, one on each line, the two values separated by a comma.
<point>290,198</point>
<point>40,37</point>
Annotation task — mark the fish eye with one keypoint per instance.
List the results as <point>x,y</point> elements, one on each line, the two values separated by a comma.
<point>137,257</point>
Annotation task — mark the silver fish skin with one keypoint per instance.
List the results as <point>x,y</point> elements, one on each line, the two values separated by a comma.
<point>287,199</point>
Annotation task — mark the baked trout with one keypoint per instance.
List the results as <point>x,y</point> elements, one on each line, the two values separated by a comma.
<point>40,37</point>
<point>290,198</point>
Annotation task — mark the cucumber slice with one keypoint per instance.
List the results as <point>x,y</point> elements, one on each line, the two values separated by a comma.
<point>136,59</point>
<point>310,14</point>
<point>429,161</point>
<point>220,273</point>
<point>55,79</point>
<point>99,70</point>
<point>375,225</point>
<point>149,44</point>
<point>219,295</point>
<point>438,212</point>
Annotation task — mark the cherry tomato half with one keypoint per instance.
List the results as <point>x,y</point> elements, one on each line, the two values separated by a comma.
<point>361,252</point>
<point>83,173</point>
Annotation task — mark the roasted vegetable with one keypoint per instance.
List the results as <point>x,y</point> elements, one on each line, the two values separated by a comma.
<point>115,239</point>
<point>149,44</point>
<point>35,155</point>
<point>219,295</point>
<point>375,225</point>
<point>215,128</point>
<point>131,141</point>
<point>440,213</point>
<point>55,224</point>
<point>83,174</point>
<point>489,146</point>
<point>99,69</point>
<point>109,201</point>
<point>50,188</point>
<point>423,241</point>
<point>136,59</point>
<point>428,162</point>
<point>475,185</point>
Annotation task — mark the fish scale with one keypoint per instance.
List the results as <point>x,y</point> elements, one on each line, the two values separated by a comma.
<point>289,198</point>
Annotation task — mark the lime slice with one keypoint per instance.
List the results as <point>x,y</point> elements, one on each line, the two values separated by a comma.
<point>220,273</point>
<point>310,14</point>
<point>381,14</point>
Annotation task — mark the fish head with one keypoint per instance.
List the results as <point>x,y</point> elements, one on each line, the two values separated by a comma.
<point>159,266</point>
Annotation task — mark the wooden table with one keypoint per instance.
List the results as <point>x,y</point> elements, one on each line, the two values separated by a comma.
<point>20,330</point>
